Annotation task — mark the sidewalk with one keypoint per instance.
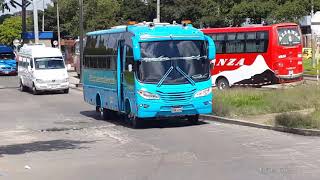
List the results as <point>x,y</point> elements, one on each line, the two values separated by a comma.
<point>74,81</point>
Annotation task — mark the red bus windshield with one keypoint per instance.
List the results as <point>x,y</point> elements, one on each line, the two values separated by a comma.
<point>289,36</point>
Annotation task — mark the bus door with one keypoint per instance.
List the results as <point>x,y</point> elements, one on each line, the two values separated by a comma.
<point>120,61</point>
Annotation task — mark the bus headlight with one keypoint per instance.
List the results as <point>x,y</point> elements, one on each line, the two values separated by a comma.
<point>203,92</point>
<point>66,80</point>
<point>148,95</point>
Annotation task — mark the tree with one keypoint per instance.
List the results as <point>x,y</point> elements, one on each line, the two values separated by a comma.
<point>10,29</point>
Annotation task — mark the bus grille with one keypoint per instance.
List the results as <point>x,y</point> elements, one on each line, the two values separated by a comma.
<point>176,96</point>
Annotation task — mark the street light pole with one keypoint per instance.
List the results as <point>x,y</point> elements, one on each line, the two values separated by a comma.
<point>58,25</point>
<point>35,22</point>
<point>81,36</point>
<point>158,11</point>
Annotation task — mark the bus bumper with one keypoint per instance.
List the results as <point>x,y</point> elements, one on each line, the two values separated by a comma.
<point>157,110</point>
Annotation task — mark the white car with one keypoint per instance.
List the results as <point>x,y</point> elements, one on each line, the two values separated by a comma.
<point>42,68</point>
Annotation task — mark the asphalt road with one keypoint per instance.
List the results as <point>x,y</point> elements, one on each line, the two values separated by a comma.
<point>58,136</point>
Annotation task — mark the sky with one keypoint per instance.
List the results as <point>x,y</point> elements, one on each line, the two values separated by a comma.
<point>30,7</point>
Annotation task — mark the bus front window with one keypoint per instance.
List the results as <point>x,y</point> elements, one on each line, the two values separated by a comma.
<point>49,63</point>
<point>289,36</point>
<point>6,56</point>
<point>173,62</point>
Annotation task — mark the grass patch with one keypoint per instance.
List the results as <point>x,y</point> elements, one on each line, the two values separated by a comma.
<point>308,69</point>
<point>249,101</point>
<point>298,120</point>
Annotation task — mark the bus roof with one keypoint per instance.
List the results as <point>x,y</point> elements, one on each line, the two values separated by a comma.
<point>145,31</point>
<point>5,49</point>
<point>40,51</point>
<point>246,28</point>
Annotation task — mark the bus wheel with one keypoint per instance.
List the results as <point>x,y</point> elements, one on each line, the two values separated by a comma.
<point>136,122</point>
<point>223,84</point>
<point>22,87</point>
<point>194,119</point>
<point>34,90</point>
<point>104,113</point>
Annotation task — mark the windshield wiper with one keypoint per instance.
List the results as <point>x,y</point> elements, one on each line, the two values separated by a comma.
<point>165,76</point>
<point>193,57</point>
<point>161,58</point>
<point>186,76</point>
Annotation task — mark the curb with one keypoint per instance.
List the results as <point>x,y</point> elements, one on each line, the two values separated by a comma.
<point>304,132</point>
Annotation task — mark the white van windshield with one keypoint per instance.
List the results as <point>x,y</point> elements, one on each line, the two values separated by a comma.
<point>49,63</point>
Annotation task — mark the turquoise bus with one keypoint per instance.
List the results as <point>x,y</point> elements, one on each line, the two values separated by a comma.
<point>8,64</point>
<point>148,71</point>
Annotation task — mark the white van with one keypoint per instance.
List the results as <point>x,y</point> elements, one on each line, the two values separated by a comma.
<point>42,68</point>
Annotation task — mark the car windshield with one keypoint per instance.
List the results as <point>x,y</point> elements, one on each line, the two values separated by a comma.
<point>289,36</point>
<point>173,62</point>
<point>49,63</point>
<point>6,56</point>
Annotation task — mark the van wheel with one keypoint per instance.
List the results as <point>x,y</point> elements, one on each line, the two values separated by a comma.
<point>194,119</point>
<point>22,87</point>
<point>34,90</point>
<point>223,84</point>
<point>66,91</point>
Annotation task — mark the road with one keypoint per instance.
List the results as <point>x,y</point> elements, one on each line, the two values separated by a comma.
<point>58,136</point>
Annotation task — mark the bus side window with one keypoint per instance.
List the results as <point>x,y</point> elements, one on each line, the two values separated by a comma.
<point>129,57</point>
<point>220,43</point>
<point>251,42</point>
<point>129,75</point>
<point>262,41</point>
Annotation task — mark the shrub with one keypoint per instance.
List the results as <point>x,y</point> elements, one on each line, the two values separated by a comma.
<point>296,120</point>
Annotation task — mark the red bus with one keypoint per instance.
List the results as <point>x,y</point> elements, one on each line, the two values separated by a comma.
<point>256,55</point>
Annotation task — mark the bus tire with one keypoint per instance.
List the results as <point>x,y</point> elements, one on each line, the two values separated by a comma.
<point>22,87</point>
<point>34,90</point>
<point>194,119</point>
<point>222,84</point>
<point>136,122</point>
<point>104,113</point>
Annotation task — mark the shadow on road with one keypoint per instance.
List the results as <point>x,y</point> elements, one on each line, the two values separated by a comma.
<point>147,124</point>
<point>54,145</point>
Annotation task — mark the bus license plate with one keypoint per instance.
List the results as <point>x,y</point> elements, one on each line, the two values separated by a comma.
<point>290,72</point>
<point>176,109</point>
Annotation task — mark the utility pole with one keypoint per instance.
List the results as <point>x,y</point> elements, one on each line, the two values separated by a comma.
<point>24,4</point>
<point>35,22</point>
<point>81,36</point>
<point>312,38</point>
<point>43,16</point>
<point>158,11</point>
<point>58,25</point>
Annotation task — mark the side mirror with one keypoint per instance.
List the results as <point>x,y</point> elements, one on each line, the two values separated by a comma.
<point>130,67</point>
<point>211,48</point>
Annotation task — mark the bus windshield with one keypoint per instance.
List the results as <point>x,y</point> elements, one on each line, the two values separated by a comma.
<point>174,62</point>
<point>6,56</point>
<point>49,63</point>
<point>289,36</point>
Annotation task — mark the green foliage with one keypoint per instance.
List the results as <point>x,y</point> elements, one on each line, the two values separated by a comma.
<point>10,29</point>
<point>247,101</point>
<point>102,14</point>
<point>298,120</point>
